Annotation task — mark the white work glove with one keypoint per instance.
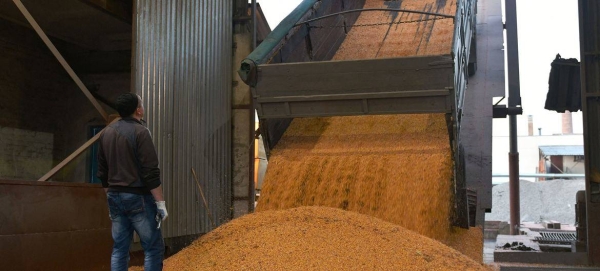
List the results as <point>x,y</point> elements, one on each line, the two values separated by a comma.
<point>161,212</point>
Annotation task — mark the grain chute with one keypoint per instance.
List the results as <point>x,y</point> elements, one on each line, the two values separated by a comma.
<point>292,75</point>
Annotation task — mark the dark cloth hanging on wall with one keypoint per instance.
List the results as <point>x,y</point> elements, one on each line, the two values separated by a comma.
<point>564,92</point>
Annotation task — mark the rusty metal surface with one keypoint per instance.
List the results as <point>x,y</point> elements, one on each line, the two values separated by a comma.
<point>182,60</point>
<point>464,23</point>
<point>54,226</point>
<point>515,206</point>
<point>486,83</point>
<point>356,87</point>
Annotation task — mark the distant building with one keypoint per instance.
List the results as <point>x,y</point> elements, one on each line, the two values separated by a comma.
<point>532,149</point>
<point>561,159</point>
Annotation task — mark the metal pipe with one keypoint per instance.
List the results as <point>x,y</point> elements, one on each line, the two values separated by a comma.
<point>515,211</point>
<point>543,175</point>
<point>252,161</point>
<point>514,100</point>
<point>512,123</point>
<point>251,116</point>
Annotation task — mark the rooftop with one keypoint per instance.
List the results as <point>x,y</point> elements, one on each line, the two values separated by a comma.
<point>562,150</point>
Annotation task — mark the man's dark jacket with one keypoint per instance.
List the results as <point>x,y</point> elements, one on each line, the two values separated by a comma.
<point>127,160</point>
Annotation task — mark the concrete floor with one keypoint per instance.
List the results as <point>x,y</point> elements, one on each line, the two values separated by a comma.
<point>488,258</point>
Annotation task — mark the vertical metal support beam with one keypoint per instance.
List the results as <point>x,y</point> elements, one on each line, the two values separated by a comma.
<point>515,210</point>
<point>251,157</point>
<point>514,100</point>
<point>589,35</point>
<point>252,160</point>
<point>60,58</point>
<point>243,113</point>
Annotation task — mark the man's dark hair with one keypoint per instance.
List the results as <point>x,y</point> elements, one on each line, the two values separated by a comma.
<point>127,103</point>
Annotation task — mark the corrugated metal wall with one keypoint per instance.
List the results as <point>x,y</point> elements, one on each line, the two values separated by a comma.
<point>182,62</point>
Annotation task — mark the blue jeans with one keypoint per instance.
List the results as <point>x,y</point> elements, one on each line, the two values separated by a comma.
<point>130,212</point>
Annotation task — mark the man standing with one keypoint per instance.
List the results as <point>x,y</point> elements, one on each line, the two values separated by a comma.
<point>128,169</point>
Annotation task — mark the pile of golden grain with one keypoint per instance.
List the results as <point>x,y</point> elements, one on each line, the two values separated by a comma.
<point>316,238</point>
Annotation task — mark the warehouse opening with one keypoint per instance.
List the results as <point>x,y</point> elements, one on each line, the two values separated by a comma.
<point>45,115</point>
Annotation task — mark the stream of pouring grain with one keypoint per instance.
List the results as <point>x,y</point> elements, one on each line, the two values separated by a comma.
<point>394,167</point>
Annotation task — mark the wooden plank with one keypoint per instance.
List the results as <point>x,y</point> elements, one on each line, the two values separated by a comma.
<point>70,158</point>
<point>60,58</point>
<point>74,155</point>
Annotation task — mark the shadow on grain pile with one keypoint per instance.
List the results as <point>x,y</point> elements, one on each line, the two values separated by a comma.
<point>316,238</point>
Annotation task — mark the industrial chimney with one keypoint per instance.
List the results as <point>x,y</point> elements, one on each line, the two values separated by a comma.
<point>530,123</point>
<point>567,123</point>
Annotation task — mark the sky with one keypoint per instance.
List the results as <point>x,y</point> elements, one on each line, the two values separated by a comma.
<point>546,27</point>
<point>276,10</point>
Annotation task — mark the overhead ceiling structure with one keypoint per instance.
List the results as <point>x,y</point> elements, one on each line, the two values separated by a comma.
<point>103,25</point>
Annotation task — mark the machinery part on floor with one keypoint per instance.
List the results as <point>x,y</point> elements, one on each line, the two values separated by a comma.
<point>555,238</point>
